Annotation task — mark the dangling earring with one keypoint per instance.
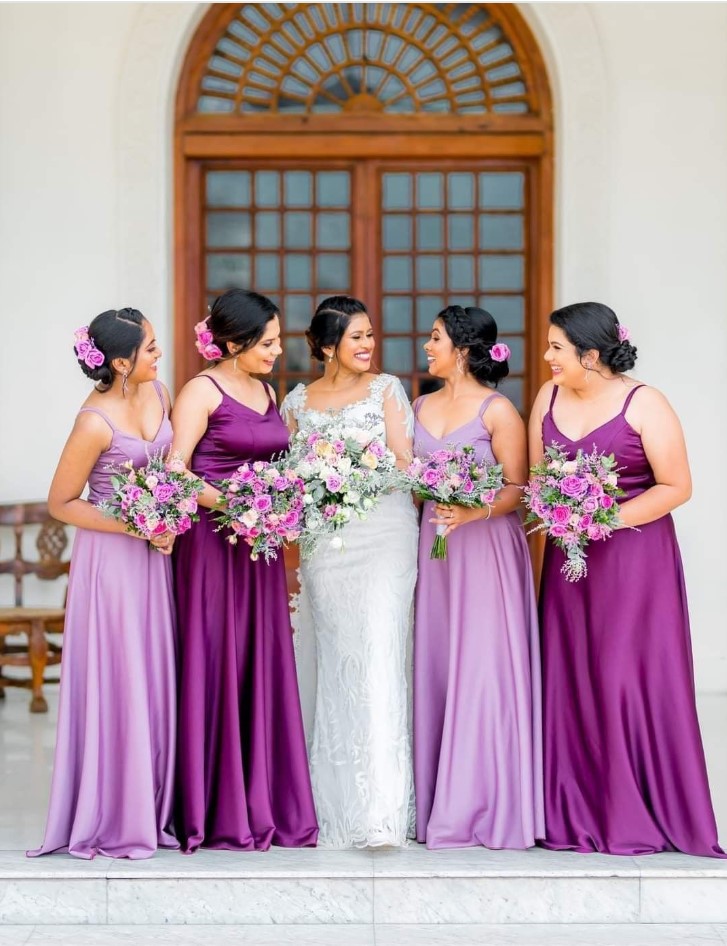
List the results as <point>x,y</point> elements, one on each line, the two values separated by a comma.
<point>460,362</point>
<point>330,359</point>
<point>124,376</point>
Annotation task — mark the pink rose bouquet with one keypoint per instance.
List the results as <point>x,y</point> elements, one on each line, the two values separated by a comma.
<point>262,503</point>
<point>574,502</point>
<point>156,498</point>
<point>453,476</point>
<point>345,470</point>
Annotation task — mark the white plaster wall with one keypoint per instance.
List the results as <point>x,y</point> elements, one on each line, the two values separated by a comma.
<point>86,103</point>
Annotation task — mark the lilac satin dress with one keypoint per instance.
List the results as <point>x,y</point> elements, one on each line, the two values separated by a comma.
<point>477,725</point>
<point>114,759</point>
<point>624,764</point>
<point>242,769</point>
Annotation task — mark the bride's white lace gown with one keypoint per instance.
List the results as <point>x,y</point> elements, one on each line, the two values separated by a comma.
<point>353,632</point>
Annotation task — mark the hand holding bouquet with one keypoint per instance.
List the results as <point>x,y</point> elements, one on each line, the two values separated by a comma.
<point>262,503</point>
<point>153,499</point>
<point>574,502</point>
<point>454,477</point>
<point>345,470</point>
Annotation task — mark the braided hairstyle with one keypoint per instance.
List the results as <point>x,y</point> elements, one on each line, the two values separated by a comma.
<point>592,325</point>
<point>329,324</point>
<point>474,329</point>
<point>117,333</point>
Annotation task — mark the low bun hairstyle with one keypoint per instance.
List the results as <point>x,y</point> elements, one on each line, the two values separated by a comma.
<point>329,324</point>
<point>476,330</point>
<point>117,333</point>
<point>593,326</point>
<point>239,316</point>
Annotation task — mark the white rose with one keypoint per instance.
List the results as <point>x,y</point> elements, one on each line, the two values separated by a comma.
<point>249,518</point>
<point>307,500</point>
<point>352,497</point>
<point>344,465</point>
<point>344,514</point>
<point>336,542</point>
<point>570,466</point>
<point>368,503</point>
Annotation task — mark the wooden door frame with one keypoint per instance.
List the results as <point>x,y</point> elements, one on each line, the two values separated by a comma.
<point>201,137</point>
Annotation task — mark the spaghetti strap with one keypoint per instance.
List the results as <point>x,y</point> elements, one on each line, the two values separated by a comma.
<point>219,387</point>
<point>160,395</point>
<point>417,404</point>
<point>552,398</point>
<point>97,410</point>
<point>629,396</point>
<point>486,403</point>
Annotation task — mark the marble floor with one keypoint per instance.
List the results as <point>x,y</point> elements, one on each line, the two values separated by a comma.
<point>350,898</point>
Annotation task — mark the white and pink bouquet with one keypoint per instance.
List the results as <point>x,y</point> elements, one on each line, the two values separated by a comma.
<point>574,502</point>
<point>262,503</point>
<point>158,497</point>
<point>453,476</point>
<point>345,470</point>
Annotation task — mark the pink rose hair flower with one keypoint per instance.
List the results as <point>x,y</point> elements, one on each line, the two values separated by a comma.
<point>86,350</point>
<point>623,333</point>
<point>500,352</point>
<point>205,342</point>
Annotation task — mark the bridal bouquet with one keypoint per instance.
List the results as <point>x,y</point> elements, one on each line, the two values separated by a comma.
<point>344,470</point>
<point>156,498</point>
<point>453,476</point>
<point>574,502</point>
<point>262,503</point>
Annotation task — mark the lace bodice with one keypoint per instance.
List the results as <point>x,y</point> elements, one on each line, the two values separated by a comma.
<point>368,413</point>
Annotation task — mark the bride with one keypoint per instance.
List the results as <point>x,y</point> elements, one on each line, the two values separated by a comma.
<point>355,605</point>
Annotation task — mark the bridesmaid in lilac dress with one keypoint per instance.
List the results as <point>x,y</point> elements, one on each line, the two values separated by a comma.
<point>242,771</point>
<point>624,764</point>
<point>114,758</point>
<point>477,754</point>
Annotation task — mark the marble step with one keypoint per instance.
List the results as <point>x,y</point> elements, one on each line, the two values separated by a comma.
<point>386,888</point>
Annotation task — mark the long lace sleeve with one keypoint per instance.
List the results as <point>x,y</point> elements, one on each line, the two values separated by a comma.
<point>291,406</point>
<point>399,420</point>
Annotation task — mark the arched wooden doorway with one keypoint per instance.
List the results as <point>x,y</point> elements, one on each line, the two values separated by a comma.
<point>399,152</point>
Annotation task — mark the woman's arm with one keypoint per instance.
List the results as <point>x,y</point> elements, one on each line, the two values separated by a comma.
<point>399,421</point>
<point>88,440</point>
<point>663,439</point>
<point>190,417</point>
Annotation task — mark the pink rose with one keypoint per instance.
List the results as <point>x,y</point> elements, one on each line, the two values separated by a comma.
<point>159,529</point>
<point>334,483</point>
<point>94,358</point>
<point>184,524</point>
<point>500,352</point>
<point>200,327</point>
<point>584,522</point>
<point>606,502</point>
<point>573,486</point>
<point>263,503</point>
<point>163,492</point>
<point>83,348</point>
<point>596,532</point>
<point>205,337</point>
<point>561,515</point>
<point>590,504</point>
<point>557,531</point>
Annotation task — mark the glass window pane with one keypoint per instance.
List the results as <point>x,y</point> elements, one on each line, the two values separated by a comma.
<point>501,232</point>
<point>333,189</point>
<point>332,231</point>
<point>228,271</point>
<point>297,271</point>
<point>461,191</point>
<point>398,355</point>
<point>267,230</point>
<point>464,301</point>
<point>397,273</point>
<point>397,313</point>
<point>461,272</point>
<point>502,272</point>
<point>430,191</point>
<point>397,191</point>
<point>397,232</point>
<point>428,307</point>
<point>267,271</point>
<point>228,229</point>
<point>296,354</point>
<point>332,271</point>
<point>507,311</point>
<point>514,388</point>
<point>298,188</point>
<point>430,232</point>
<point>267,188</point>
<point>228,188</point>
<point>298,230</point>
<point>502,190</point>
<point>430,272</point>
<point>517,352</point>
<point>460,232</point>
<point>297,312</point>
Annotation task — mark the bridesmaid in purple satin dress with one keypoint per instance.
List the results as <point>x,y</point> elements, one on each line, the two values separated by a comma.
<point>114,758</point>
<point>477,753</point>
<point>242,770</point>
<point>624,764</point>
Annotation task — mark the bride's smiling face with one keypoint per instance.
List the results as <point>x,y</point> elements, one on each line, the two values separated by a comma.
<point>356,347</point>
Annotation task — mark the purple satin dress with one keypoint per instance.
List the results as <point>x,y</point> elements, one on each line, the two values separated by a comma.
<point>624,764</point>
<point>113,771</point>
<point>242,769</point>
<point>477,717</point>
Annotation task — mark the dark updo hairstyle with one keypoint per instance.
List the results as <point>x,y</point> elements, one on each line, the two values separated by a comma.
<point>329,324</point>
<point>475,330</point>
<point>239,316</point>
<point>593,326</point>
<point>117,333</point>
